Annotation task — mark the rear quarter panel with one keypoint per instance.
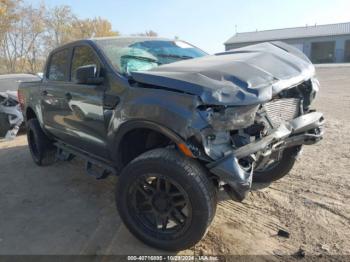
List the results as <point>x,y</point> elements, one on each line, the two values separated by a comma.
<point>31,91</point>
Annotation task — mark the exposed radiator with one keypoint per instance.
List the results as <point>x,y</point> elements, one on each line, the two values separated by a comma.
<point>281,110</point>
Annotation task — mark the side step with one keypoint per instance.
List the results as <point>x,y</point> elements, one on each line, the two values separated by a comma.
<point>95,166</point>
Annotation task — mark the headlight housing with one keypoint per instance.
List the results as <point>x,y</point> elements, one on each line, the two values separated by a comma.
<point>229,118</point>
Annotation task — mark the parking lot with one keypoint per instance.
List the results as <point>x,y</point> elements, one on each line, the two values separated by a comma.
<point>60,210</point>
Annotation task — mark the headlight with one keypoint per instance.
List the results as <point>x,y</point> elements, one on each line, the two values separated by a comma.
<point>315,88</point>
<point>315,84</point>
<point>230,118</point>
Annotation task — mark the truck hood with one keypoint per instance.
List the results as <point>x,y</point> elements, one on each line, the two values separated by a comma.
<point>244,76</point>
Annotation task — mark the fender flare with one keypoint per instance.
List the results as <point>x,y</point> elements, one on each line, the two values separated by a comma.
<point>39,117</point>
<point>131,125</point>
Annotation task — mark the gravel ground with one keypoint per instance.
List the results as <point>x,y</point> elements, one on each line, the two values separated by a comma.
<point>58,210</point>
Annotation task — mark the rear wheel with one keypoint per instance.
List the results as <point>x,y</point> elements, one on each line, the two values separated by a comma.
<point>166,200</point>
<point>278,169</point>
<point>41,147</point>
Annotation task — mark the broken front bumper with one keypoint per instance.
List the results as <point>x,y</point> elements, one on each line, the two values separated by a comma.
<point>306,129</point>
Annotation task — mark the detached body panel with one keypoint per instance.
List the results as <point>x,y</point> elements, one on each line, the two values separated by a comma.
<point>11,117</point>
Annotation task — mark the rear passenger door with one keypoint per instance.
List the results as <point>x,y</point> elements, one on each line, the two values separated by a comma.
<point>74,112</point>
<point>53,92</point>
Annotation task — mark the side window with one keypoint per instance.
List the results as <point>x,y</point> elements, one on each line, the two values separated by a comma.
<point>58,68</point>
<point>83,56</point>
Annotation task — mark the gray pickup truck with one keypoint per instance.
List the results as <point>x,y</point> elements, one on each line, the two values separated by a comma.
<point>175,124</point>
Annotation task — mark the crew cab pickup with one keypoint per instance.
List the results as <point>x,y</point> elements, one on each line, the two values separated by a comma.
<point>175,124</point>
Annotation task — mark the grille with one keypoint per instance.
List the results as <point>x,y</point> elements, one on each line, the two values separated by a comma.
<point>281,110</point>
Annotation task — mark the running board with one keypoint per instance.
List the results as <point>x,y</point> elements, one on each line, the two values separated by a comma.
<point>94,166</point>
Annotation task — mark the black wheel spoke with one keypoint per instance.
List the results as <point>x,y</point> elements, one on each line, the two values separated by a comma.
<point>176,194</point>
<point>167,186</point>
<point>158,202</point>
<point>142,190</point>
<point>165,222</point>
<point>176,219</point>
<point>145,207</point>
<point>179,203</point>
<point>158,220</point>
<point>178,216</point>
<point>148,186</point>
<point>159,181</point>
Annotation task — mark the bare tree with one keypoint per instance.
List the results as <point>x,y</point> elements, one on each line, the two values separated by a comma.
<point>59,24</point>
<point>88,28</point>
<point>8,17</point>
<point>28,33</point>
<point>35,51</point>
<point>150,33</point>
<point>21,41</point>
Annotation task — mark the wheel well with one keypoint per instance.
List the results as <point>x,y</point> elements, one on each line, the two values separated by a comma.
<point>138,141</point>
<point>30,114</point>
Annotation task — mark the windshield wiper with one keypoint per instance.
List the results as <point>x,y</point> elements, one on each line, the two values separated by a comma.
<point>144,58</point>
<point>176,56</point>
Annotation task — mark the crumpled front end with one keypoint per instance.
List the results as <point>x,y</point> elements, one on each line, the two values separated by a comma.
<point>11,117</point>
<point>245,138</point>
<point>249,104</point>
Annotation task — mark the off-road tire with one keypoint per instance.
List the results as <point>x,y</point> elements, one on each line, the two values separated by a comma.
<point>280,168</point>
<point>41,147</point>
<point>190,175</point>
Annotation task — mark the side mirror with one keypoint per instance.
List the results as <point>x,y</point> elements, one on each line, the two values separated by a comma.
<point>87,75</point>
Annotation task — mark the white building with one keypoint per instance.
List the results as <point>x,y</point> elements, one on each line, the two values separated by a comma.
<point>321,43</point>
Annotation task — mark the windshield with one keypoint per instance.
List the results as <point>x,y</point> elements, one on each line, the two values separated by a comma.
<point>129,54</point>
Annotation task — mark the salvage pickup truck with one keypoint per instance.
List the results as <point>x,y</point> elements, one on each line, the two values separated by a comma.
<point>175,124</point>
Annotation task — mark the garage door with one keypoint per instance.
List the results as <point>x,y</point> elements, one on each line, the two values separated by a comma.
<point>322,52</point>
<point>347,51</point>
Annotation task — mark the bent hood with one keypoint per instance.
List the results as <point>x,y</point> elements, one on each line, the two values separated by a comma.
<point>244,76</point>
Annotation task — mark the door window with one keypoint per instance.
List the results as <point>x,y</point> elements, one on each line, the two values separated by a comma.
<point>83,56</point>
<point>58,67</point>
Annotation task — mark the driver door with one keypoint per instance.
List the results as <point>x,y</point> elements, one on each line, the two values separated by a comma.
<point>84,103</point>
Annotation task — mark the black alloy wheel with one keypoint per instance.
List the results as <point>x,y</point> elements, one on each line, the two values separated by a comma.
<point>166,199</point>
<point>160,204</point>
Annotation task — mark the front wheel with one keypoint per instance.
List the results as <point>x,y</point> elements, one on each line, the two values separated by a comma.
<point>278,169</point>
<point>166,200</point>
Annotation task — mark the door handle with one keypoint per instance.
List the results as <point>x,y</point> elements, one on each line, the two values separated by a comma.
<point>68,96</point>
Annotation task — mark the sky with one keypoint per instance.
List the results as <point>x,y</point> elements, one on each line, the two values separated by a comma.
<point>207,24</point>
